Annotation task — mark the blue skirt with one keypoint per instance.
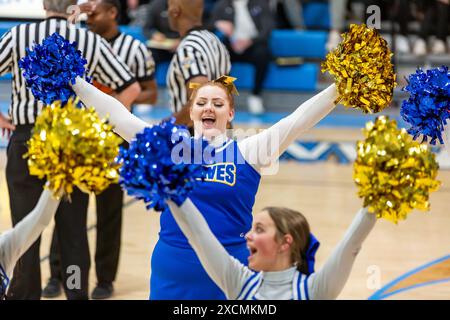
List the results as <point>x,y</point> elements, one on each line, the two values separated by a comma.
<point>177,273</point>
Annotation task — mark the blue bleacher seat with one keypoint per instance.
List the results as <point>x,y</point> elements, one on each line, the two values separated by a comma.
<point>290,78</point>
<point>7,25</point>
<point>291,43</point>
<point>6,77</point>
<point>245,74</point>
<point>316,15</point>
<point>134,31</point>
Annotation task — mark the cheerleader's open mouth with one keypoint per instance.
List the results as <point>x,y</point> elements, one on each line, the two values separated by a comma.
<point>252,250</point>
<point>209,121</point>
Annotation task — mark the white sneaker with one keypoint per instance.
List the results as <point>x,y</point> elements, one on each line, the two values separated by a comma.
<point>420,47</point>
<point>334,38</point>
<point>402,44</point>
<point>255,104</point>
<point>438,47</point>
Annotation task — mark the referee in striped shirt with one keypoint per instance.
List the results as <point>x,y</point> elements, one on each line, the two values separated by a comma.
<point>200,57</point>
<point>102,19</point>
<point>24,190</point>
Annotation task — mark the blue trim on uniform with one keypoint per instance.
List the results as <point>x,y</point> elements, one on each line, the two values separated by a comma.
<point>246,284</point>
<point>299,292</point>
<point>305,283</point>
<point>251,288</point>
<point>380,294</point>
<point>4,282</point>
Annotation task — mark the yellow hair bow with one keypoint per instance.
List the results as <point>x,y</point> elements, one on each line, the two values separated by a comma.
<point>226,81</point>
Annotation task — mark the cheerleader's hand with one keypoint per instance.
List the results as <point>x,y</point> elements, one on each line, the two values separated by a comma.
<point>59,194</point>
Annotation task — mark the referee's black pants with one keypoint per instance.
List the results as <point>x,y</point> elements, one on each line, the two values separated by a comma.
<point>109,225</point>
<point>70,222</point>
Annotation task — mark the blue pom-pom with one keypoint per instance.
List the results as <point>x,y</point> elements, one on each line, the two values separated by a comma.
<point>428,107</point>
<point>50,67</point>
<point>163,162</point>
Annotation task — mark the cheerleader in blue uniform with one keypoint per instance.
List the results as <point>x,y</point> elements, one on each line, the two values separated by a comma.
<point>15,242</point>
<point>227,196</point>
<point>280,266</point>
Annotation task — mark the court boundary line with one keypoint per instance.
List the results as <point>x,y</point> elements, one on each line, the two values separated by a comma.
<point>381,293</point>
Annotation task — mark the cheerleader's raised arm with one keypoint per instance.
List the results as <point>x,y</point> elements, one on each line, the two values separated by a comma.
<point>257,150</point>
<point>267,146</point>
<point>328,282</point>
<point>233,277</point>
<point>126,124</point>
<point>15,242</point>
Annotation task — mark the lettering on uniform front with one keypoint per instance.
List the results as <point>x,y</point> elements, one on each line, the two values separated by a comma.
<point>222,173</point>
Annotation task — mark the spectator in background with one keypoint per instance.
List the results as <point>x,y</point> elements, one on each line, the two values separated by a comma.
<point>338,9</point>
<point>398,11</point>
<point>125,5</point>
<point>288,13</point>
<point>246,26</point>
<point>138,11</point>
<point>208,6</point>
<point>164,41</point>
<point>436,24</point>
<point>128,9</point>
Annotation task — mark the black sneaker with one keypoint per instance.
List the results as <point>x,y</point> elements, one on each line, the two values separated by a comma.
<point>52,289</point>
<point>102,291</point>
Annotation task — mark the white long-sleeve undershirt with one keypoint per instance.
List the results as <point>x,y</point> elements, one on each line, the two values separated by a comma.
<point>259,150</point>
<point>16,241</point>
<point>231,275</point>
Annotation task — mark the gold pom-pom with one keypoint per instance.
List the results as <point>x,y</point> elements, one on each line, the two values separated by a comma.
<point>394,173</point>
<point>362,68</point>
<point>70,147</point>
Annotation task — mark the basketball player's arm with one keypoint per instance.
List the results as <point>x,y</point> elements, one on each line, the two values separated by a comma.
<point>183,116</point>
<point>126,124</point>
<point>329,281</point>
<point>227,272</point>
<point>265,147</point>
<point>15,242</point>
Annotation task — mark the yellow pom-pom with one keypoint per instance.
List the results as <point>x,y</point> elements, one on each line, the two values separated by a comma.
<point>71,147</point>
<point>394,173</point>
<point>362,68</point>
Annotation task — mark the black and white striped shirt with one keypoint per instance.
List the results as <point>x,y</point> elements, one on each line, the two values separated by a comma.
<point>103,65</point>
<point>200,53</point>
<point>136,56</point>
